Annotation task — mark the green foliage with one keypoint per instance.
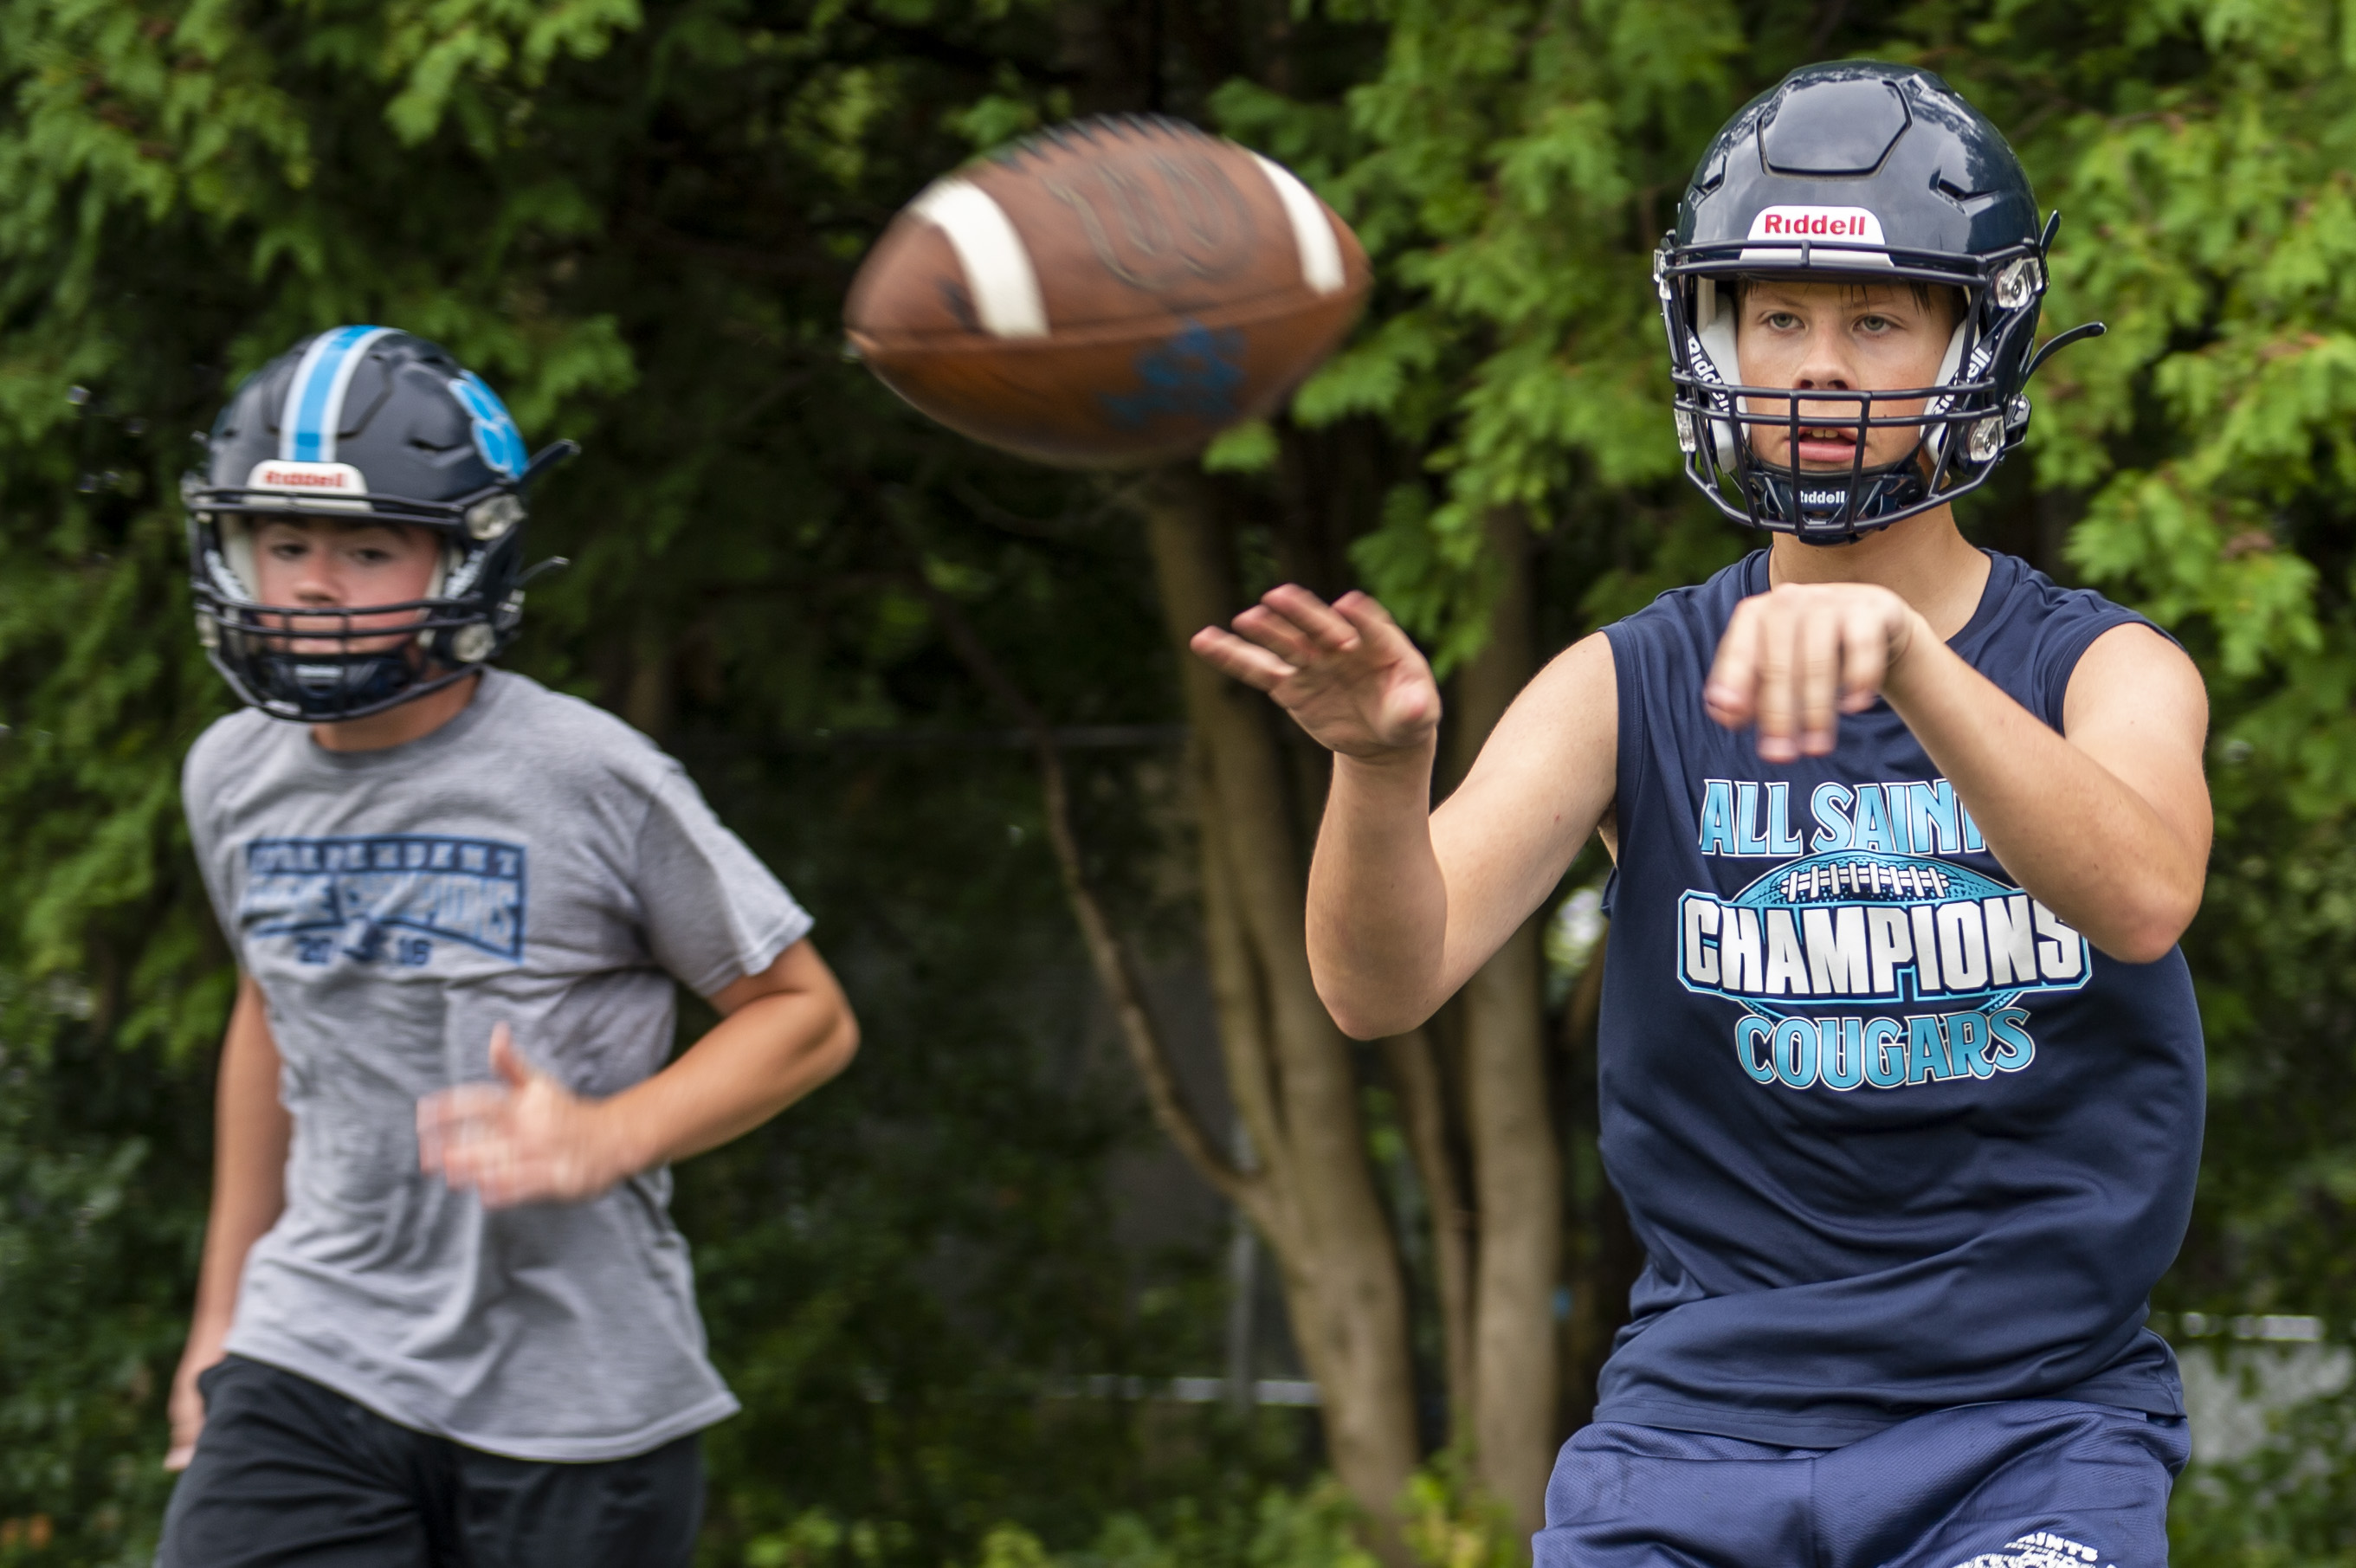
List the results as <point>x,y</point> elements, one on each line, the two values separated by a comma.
<point>94,1273</point>
<point>2290,1504</point>
<point>637,217</point>
<point>2216,432</point>
<point>639,222</point>
<point>1445,1525</point>
<point>1312,1529</point>
<point>1506,169</point>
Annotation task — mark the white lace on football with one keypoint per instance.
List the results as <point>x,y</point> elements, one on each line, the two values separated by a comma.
<point>998,271</point>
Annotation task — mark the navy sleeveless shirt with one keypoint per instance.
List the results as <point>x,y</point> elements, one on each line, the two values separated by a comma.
<point>1893,1136</point>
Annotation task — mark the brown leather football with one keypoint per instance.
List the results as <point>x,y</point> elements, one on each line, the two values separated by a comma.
<point>1116,290</point>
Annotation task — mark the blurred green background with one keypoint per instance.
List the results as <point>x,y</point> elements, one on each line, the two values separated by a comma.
<point>638,218</point>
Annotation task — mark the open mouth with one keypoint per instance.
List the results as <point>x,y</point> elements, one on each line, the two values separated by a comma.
<point>1815,446</point>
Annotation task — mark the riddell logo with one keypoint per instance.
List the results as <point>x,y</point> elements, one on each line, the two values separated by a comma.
<point>314,476</point>
<point>1817,222</point>
<point>1837,225</point>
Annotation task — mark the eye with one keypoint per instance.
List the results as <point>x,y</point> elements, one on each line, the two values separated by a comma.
<point>1782,320</point>
<point>1874,326</point>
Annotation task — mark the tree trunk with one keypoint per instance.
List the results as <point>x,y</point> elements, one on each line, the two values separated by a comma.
<point>1423,1105</point>
<point>1289,1067</point>
<point>1291,1075</point>
<point>1516,1166</point>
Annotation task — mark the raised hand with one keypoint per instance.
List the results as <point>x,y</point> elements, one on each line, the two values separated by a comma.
<point>526,1139</point>
<point>1795,658</point>
<point>1345,671</point>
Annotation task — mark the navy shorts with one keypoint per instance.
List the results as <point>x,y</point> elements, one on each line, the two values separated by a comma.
<point>291,1474</point>
<point>2025,1484</point>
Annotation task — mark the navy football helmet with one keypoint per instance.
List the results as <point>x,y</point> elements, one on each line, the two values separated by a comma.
<point>361,424</point>
<point>1856,172</point>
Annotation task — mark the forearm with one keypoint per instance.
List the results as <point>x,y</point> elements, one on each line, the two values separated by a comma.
<point>1378,901</point>
<point>762,1057</point>
<point>230,1234</point>
<point>2073,834</point>
<point>1404,902</point>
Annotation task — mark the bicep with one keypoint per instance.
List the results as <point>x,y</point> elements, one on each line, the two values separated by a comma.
<point>249,1050</point>
<point>798,970</point>
<point>2135,704</point>
<point>252,1124</point>
<point>1543,779</point>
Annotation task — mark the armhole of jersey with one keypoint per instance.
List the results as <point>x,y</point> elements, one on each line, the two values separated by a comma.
<point>1633,766</point>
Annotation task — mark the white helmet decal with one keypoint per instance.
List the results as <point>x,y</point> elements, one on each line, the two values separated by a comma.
<point>1841,226</point>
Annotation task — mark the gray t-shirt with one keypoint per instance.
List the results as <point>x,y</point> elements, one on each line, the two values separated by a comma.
<point>535,862</point>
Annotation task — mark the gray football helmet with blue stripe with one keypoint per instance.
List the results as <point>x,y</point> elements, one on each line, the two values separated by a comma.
<point>361,424</point>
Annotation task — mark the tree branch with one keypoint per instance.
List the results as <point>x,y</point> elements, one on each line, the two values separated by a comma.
<point>1240,991</point>
<point>1116,967</point>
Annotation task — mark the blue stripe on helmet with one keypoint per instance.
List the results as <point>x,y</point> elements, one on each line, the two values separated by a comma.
<point>315,403</point>
<point>290,413</point>
<point>496,437</point>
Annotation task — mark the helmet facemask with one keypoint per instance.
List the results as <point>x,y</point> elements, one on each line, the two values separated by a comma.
<point>321,663</point>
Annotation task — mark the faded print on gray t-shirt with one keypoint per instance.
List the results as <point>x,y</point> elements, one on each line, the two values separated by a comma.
<point>534,862</point>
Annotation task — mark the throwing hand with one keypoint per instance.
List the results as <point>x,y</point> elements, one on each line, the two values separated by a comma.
<point>1795,658</point>
<point>1345,671</point>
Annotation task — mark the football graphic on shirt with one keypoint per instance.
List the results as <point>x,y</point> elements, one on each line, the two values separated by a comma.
<point>1880,965</point>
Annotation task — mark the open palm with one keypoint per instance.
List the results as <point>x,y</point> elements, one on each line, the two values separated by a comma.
<point>1345,671</point>
<point>523,1139</point>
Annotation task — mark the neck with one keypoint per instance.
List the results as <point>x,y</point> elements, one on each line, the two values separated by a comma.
<point>1925,560</point>
<point>399,726</point>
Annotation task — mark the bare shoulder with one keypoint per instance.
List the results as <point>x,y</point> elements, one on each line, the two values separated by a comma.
<point>1562,732</point>
<point>2133,678</point>
<point>1577,690</point>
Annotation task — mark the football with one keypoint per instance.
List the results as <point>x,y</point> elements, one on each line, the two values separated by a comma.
<point>1114,291</point>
